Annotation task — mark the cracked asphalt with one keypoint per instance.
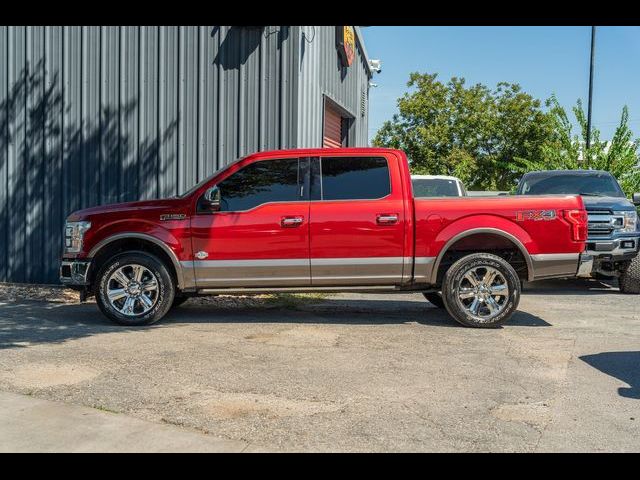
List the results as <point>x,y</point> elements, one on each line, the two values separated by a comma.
<point>350,372</point>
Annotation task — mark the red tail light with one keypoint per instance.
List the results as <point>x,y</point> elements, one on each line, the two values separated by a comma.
<point>579,222</point>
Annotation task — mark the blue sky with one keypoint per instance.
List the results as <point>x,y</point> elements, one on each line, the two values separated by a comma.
<point>543,60</point>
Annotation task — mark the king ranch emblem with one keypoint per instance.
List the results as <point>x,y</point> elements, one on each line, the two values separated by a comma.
<point>346,43</point>
<point>172,216</point>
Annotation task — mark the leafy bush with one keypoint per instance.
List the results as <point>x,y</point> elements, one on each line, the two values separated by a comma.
<point>489,138</point>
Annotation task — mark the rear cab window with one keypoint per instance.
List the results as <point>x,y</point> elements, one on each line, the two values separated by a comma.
<point>350,178</point>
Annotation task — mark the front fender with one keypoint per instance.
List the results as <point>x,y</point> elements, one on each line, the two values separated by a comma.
<point>164,238</point>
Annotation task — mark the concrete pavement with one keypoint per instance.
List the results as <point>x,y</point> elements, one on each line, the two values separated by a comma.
<point>30,424</point>
<point>348,373</point>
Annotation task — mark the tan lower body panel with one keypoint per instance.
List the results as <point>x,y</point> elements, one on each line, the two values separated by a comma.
<point>251,273</point>
<point>550,265</point>
<point>304,272</point>
<point>357,271</point>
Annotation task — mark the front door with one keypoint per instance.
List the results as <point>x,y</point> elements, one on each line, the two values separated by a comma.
<point>260,236</point>
<point>357,222</point>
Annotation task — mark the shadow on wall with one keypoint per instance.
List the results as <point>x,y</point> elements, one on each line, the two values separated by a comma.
<point>55,166</point>
<point>244,39</point>
<point>624,366</point>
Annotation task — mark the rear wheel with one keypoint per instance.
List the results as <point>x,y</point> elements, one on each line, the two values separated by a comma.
<point>481,290</point>
<point>435,298</point>
<point>134,288</point>
<point>629,279</point>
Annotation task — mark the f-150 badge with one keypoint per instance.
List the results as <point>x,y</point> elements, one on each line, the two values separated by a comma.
<point>173,216</point>
<point>535,215</point>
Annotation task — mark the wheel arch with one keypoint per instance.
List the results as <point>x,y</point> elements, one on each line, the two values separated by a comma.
<point>478,231</point>
<point>104,246</point>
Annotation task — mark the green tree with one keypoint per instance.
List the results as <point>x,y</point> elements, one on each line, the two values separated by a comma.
<point>472,132</point>
<point>567,151</point>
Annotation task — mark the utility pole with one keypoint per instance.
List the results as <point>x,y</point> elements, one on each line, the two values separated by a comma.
<point>593,44</point>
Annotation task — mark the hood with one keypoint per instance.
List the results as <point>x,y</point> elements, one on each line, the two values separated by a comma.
<point>607,203</point>
<point>162,204</point>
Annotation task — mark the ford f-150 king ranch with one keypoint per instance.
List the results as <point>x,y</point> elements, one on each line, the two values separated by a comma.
<point>613,229</point>
<point>326,220</point>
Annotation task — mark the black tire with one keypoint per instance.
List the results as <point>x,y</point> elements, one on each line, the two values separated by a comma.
<point>454,278</point>
<point>435,299</point>
<point>179,300</point>
<point>164,293</point>
<point>629,280</point>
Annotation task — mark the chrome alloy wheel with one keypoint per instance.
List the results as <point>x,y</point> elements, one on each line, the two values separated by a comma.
<point>132,290</point>
<point>483,292</point>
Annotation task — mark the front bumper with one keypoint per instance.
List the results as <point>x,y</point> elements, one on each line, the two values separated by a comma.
<point>622,248</point>
<point>75,272</point>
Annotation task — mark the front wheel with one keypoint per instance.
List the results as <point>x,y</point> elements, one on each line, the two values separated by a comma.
<point>134,288</point>
<point>481,290</point>
<point>629,279</point>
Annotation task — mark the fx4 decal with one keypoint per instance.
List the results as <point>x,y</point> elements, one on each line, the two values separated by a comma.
<point>535,215</point>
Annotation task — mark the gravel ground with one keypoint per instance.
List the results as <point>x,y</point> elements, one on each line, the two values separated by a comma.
<point>349,372</point>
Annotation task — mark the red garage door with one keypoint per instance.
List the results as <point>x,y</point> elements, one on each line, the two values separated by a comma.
<point>332,131</point>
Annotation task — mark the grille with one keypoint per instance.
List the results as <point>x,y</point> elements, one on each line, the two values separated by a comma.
<point>601,223</point>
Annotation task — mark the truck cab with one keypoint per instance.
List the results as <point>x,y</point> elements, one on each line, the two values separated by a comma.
<point>321,220</point>
<point>614,228</point>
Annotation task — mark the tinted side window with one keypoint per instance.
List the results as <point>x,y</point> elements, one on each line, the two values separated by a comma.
<point>351,178</point>
<point>258,183</point>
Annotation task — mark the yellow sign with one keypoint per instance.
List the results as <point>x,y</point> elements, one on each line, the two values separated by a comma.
<point>346,43</point>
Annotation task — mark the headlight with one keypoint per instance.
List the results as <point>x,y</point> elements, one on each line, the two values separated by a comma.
<point>73,235</point>
<point>627,222</point>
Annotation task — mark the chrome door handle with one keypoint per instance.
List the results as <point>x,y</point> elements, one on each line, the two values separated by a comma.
<point>387,218</point>
<point>291,221</point>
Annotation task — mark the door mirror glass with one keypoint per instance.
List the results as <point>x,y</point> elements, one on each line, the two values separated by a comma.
<point>210,201</point>
<point>636,198</point>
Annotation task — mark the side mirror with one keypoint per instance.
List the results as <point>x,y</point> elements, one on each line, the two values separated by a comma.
<point>211,199</point>
<point>636,198</point>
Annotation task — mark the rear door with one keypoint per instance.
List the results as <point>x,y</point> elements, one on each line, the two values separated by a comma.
<point>357,221</point>
<point>260,237</point>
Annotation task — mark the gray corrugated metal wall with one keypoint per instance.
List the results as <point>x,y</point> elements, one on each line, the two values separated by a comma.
<point>322,75</point>
<point>97,115</point>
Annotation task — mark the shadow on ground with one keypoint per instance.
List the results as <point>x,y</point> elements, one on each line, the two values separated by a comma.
<point>27,323</point>
<point>624,366</point>
<point>571,286</point>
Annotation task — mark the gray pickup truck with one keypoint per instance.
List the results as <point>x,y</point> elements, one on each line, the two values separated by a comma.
<point>614,228</point>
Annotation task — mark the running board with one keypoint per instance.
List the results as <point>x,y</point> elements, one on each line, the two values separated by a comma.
<point>310,289</point>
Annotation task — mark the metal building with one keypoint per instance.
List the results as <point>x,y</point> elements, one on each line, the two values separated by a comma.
<point>98,115</point>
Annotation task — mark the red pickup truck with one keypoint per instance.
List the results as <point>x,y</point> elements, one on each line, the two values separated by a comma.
<point>321,220</point>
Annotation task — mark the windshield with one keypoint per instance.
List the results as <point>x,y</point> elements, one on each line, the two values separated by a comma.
<point>596,184</point>
<point>434,187</point>
<point>206,179</point>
